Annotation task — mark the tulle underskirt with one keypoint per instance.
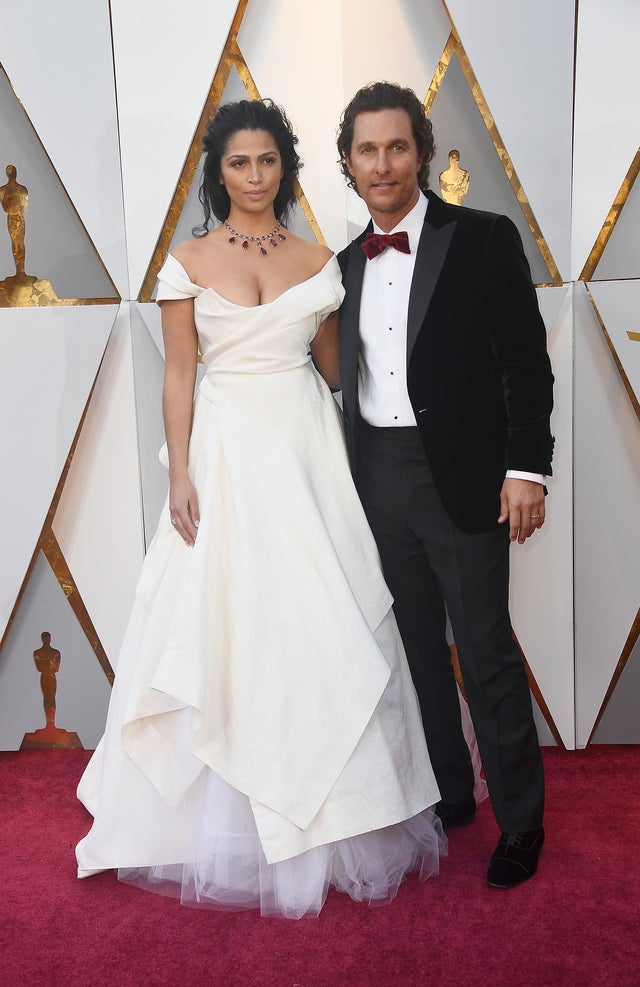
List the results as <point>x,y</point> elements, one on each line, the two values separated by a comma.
<point>228,870</point>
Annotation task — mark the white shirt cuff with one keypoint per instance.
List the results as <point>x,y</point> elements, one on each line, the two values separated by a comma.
<point>522,475</point>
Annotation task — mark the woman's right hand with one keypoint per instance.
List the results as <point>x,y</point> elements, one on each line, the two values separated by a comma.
<point>183,507</point>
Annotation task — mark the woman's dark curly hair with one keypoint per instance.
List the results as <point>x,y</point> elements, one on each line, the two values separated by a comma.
<point>258,114</point>
<point>387,96</point>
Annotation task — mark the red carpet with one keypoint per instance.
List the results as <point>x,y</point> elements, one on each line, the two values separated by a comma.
<point>576,924</point>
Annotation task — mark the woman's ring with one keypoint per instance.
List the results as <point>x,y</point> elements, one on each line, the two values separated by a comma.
<point>173,521</point>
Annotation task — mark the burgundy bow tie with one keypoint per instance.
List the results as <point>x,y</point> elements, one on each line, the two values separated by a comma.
<point>374,243</point>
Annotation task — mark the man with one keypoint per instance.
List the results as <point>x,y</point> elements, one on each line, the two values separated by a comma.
<point>447,392</point>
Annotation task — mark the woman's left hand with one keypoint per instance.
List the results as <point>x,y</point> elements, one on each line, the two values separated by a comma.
<point>183,507</point>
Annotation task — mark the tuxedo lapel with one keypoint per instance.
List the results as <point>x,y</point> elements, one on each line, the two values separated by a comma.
<point>432,251</point>
<point>350,325</point>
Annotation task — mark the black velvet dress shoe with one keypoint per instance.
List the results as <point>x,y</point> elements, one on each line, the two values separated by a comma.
<point>452,814</point>
<point>515,859</point>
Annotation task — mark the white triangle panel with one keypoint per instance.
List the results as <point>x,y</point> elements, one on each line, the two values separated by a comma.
<point>166,56</point>
<point>148,365</point>
<point>607,520</point>
<point>550,301</point>
<point>607,121</point>
<point>522,56</point>
<point>393,41</point>
<point>59,59</point>
<point>618,303</point>
<point>542,569</point>
<point>312,42</point>
<point>386,40</point>
<point>151,315</point>
<point>99,520</point>
<point>48,362</point>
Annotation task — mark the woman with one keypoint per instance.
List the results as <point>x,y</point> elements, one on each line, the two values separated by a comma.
<point>263,740</point>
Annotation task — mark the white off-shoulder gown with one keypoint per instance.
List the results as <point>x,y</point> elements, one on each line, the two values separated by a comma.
<point>263,740</point>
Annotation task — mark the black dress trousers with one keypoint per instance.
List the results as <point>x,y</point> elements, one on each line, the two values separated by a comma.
<point>433,568</point>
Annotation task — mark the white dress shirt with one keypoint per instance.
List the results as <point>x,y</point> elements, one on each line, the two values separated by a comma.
<point>382,393</point>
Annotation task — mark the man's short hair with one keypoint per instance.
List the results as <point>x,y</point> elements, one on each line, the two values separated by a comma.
<point>387,96</point>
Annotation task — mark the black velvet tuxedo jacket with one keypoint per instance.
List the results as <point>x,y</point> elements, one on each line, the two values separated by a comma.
<point>478,373</point>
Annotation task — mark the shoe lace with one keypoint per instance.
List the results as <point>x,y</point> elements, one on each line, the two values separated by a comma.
<point>519,839</point>
<point>515,839</point>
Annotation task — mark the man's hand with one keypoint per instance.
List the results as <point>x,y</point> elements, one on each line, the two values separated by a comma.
<point>522,505</point>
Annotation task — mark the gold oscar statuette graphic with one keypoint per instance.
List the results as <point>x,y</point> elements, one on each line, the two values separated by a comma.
<point>47,661</point>
<point>20,289</point>
<point>454,181</point>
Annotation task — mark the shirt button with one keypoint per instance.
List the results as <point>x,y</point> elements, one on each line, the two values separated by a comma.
<point>395,418</point>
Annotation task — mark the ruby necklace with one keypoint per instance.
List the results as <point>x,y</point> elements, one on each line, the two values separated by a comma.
<point>269,238</point>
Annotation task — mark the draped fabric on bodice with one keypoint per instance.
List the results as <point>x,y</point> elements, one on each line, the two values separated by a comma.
<point>265,659</point>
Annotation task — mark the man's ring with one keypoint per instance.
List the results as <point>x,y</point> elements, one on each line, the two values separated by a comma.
<point>173,521</point>
<point>534,517</point>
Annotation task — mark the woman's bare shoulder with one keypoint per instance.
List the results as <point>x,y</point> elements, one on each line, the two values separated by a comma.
<point>191,249</point>
<point>198,254</point>
<point>314,255</point>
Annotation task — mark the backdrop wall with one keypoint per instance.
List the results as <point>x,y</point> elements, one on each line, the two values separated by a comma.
<point>101,111</point>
